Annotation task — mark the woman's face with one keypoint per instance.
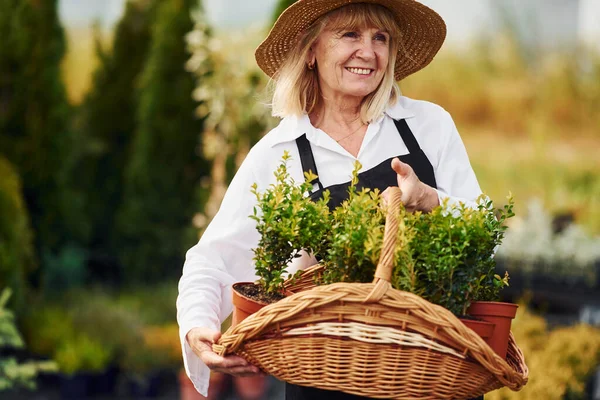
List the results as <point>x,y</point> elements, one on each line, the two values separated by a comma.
<point>351,62</point>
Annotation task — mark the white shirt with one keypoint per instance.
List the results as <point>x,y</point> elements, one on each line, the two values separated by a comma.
<point>224,254</point>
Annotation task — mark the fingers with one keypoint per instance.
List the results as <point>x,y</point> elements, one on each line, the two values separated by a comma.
<point>213,360</point>
<point>201,340</point>
<point>204,334</point>
<point>233,365</point>
<point>401,168</point>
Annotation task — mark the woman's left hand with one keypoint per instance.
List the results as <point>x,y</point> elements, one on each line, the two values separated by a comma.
<point>416,195</point>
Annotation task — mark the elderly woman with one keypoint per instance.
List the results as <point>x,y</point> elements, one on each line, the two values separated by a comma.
<point>334,65</point>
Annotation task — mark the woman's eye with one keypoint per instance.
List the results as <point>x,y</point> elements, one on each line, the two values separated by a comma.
<point>350,34</point>
<point>381,37</point>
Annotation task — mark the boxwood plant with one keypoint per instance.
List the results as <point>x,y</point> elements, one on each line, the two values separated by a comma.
<point>445,256</point>
<point>288,222</point>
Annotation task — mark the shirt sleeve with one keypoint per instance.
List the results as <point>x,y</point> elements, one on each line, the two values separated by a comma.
<point>455,178</point>
<point>222,257</point>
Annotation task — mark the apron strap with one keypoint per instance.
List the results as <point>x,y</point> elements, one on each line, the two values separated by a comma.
<point>421,164</point>
<point>307,159</point>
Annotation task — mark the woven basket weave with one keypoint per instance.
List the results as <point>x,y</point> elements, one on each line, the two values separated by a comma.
<point>372,340</point>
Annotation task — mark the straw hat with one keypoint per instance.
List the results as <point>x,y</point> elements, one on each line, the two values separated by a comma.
<point>422,28</point>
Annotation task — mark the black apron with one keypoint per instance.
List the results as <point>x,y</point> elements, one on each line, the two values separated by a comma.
<point>380,177</point>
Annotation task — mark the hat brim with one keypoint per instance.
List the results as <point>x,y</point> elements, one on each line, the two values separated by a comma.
<point>423,33</point>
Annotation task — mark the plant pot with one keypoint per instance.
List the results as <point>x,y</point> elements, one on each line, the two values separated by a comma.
<point>243,306</point>
<point>483,328</point>
<point>500,314</point>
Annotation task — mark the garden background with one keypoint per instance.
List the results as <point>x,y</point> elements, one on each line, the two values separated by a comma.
<point>118,140</point>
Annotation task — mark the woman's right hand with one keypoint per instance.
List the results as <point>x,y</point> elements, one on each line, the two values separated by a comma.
<point>201,341</point>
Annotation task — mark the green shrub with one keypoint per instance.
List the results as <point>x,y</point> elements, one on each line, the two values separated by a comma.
<point>108,121</point>
<point>288,222</point>
<point>34,127</point>
<point>16,250</point>
<point>560,361</point>
<point>12,373</point>
<point>86,330</point>
<point>165,167</point>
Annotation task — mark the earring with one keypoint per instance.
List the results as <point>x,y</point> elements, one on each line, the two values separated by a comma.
<point>311,65</point>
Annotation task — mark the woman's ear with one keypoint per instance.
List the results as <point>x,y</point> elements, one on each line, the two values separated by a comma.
<point>311,59</point>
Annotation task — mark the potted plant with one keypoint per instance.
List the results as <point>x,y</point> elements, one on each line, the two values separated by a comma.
<point>288,223</point>
<point>445,256</point>
<point>485,304</point>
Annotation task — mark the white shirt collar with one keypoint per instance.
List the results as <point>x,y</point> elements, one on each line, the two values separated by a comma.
<point>291,128</point>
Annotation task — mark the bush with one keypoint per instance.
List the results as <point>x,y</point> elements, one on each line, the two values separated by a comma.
<point>12,373</point>
<point>88,330</point>
<point>560,361</point>
<point>108,123</point>
<point>16,250</point>
<point>165,168</point>
<point>34,132</point>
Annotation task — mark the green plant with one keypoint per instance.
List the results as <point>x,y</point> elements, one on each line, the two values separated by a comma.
<point>107,121</point>
<point>288,221</point>
<point>34,120</point>
<point>82,354</point>
<point>16,250</point>
<point>448,258</point>
<point>560,360</point>
<point>355,238</point>
<point>13,373</point>
<point>445,256</point>
<point>165,168</point>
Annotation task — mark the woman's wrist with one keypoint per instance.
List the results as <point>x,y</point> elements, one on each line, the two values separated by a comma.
<point>429,198</point>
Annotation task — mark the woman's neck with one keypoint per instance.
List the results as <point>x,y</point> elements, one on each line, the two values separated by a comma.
<point>342,123</point>
<point>342,114</point>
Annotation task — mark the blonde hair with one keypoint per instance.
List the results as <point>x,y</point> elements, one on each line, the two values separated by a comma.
<point>296,88</point>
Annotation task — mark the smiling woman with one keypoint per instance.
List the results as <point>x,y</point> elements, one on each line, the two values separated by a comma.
<point>334,66</point>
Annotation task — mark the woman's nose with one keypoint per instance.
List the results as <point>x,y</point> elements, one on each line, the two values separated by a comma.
<point>366,50</point>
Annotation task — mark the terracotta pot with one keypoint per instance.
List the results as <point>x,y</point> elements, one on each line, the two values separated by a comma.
<point>243,307</point>
<point>500,314</point>
<point>482,328</point>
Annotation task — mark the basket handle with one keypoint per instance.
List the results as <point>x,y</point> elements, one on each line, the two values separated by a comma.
<point>386,259</point>
<point>383,273</point>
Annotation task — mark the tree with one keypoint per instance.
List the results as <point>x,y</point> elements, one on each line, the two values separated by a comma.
<point>16,251</point>
<point>166,164</point>
<point>34,130</point>
<point>108,122</point>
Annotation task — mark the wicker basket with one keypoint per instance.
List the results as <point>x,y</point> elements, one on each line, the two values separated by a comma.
<point>371,340</point>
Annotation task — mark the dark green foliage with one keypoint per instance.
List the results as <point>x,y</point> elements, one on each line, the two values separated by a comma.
<point>448,258</point>
<point>34,132</point>
<point>166,163</point>
<point>14,374</point>
<point>281,6</point>
<point>355,237</point>
<point>108,122</point>
<point>288,222</point>
<point>16,250</point>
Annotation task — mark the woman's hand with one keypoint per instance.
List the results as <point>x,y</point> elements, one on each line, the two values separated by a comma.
<point>416,195</point>
<point>201,341</point>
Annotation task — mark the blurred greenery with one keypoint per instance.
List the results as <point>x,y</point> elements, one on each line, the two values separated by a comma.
<point>15,373</point>
<point>16,250</point>
<point>34,121</point>
<point>87,330</point>
<point>163,173</point>
<point>107,120</point>
<point>560,360</point>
